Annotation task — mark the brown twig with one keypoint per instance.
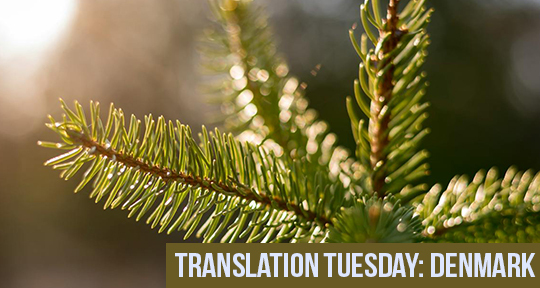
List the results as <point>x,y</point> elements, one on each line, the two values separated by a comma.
<point>205,183</point>
<point>378,125</point>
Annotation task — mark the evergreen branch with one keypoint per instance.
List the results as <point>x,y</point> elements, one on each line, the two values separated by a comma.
<point>390,79</point>
<point>262,102</point>
<point>195,181</point>
<point>467,211</point>
<point>245,30</point>
<point>217,181</point>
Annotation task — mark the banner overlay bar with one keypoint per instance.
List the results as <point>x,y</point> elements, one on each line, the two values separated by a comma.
<point>320,265</point>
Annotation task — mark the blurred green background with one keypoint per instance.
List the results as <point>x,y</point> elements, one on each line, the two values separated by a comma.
<point>484,70</point>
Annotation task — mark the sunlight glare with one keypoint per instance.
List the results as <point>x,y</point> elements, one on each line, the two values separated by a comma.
<point>28,26</point>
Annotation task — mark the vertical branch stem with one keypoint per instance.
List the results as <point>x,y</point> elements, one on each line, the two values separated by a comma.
<point>378,125</point>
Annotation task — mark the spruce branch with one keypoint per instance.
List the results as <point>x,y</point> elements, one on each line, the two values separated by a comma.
<point>196,181</point>
<point>251,69</point>
<point>267,198</point>
<point>219,188</point>
<point>241,29</point>
<point>262,102</point>
<point>389,91</point>
<point>489,208</point>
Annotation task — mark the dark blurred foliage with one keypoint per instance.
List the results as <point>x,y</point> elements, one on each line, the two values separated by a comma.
<point>485,92</point>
